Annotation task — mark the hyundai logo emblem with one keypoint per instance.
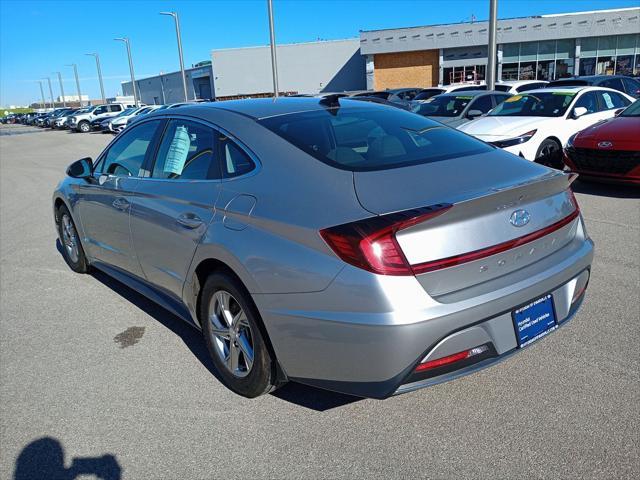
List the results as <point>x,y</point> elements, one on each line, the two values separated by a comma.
<point>605,144</point>
<point>519,218</point>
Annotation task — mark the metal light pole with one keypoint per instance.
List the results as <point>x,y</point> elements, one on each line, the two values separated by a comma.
<point>42,94</point>
<point>64,100</point>
<point>133,76</point>
<point>274,59</point>
<point>75,72</point>
<point>184,77</point>
<point>493,47</point>
<point>53,105</point>
<point>97,57</point>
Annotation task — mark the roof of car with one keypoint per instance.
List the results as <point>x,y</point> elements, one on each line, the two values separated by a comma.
<point>269,107</point>
<point>467,93</point>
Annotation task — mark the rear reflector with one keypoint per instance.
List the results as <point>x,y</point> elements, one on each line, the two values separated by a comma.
<point>456,357</point>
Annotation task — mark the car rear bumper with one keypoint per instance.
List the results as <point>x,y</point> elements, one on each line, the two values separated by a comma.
<point>365,336</point>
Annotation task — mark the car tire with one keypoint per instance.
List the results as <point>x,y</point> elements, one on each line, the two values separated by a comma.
<point>84,127</point>
<point>550,154</point>
<point>72,250</point>
<point>224,299</point>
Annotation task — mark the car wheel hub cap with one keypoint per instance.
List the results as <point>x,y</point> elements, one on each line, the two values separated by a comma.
<point>231,333</point>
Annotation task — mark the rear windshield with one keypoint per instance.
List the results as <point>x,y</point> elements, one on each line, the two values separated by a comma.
<point>362,139</point>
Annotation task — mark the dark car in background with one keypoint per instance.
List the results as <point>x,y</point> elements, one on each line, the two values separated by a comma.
<point>622,83</point>
<point>456,108</point>
<point>609,150</point>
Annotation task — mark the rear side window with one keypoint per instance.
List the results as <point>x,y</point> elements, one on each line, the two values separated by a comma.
<point>187,152</point>
<point>611,100</point>
<point>362,139</point>
<point>235,161</point>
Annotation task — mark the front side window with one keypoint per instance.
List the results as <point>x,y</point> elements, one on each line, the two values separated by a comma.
<point>366,138</point>
<point>482,104</point>
<point>100,110</point>
<point>589,100</point>
<point>614,83</point>
<point>115,108</point>
<point>126,156</point>
<point>539,104</point>
<point>187,152</point>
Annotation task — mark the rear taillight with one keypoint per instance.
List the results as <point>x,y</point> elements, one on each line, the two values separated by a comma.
<point>371,243</point>
<point>449,359</point>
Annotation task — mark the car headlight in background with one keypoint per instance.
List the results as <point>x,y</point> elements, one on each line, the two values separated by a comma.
<point>571,140</point>
<point>510,142</point>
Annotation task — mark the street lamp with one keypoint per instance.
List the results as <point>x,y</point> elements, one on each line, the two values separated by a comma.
<point>133,77</point>
<point>75,71</point>
<point>184,77</point>
<point>274,59</point>
<point>493,48</point>
<point>64,100</point>
<point>53,105</point>
<point>42,94</point>
<point>97,57</point>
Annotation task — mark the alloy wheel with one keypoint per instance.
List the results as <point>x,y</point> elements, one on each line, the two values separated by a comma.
<point>70,238</point>
<point>231,333</point>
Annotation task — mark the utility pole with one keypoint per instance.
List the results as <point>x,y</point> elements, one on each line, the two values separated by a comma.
<point>42,94</point>
<point>53,105</point>
<point>184,76</point>
<point>274,59</point>
<point>97,57</point>
<point>133,76</point>
<point>64,100</point>
<point>75,72</point>
<point>493,47</point>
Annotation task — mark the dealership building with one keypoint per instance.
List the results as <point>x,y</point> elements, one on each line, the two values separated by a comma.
<point>544,47</point>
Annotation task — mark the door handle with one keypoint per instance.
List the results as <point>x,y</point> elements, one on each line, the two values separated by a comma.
<point>189,220</point>
<point>121,203</point>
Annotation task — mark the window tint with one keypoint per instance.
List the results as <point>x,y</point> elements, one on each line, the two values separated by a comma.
<point>187,152</point>
<point>115,108</point>
<point>538,104</point>
<point>126,155</point>
<point>235,161</point>
<point>361,139</point>
<point>589,101</point>
<point>483,104</point>
<point>611,100</point>
<point>468,89</point>
<point>631,86</point>
<point>614,83</point>
<point>424,94</point>
<point>100,110</point>
<point>503,88</point>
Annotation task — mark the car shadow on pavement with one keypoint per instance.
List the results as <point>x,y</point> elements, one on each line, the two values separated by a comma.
<point>606,189</point>
<point>44,458</point>
<point>301,395</point>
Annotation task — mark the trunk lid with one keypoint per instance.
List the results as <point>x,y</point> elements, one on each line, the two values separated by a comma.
<point>477,240</point>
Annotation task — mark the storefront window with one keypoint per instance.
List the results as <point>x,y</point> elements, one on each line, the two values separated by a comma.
<point>545,70</point>
<point>624,65</point>
<point>606,46</point>
<point>564,68</point>
<point>510,71</point>
<point>587,66</point>
<point>605,65</point>
<point>527,71</point>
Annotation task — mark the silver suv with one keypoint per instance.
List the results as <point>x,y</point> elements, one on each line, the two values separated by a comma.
<point>82,122</point>
<point>348,245</point>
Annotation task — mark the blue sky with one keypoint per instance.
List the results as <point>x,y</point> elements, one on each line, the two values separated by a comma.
<point>40,37</point>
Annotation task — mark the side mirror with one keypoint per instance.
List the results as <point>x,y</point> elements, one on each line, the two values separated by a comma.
<point>578,112</point>
<point>618,112</point>
<point>80,168</point>
<point>471,114</point>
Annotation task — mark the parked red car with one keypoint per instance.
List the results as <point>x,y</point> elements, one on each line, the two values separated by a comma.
<point>609,150</point>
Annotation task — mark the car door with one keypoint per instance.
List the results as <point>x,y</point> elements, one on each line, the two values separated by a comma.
<point>104,202</point>
<point>590,101</point>
<point>173,207</point>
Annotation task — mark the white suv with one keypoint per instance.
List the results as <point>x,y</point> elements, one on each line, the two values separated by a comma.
<point>82,122</point>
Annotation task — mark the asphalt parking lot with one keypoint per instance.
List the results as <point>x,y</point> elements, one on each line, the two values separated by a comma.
<point>97,373</point>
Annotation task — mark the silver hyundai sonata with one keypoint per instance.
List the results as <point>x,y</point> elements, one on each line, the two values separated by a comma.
<point>346,245</point>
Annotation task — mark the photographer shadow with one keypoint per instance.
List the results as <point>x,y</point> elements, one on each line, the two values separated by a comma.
<point>44,459</point>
